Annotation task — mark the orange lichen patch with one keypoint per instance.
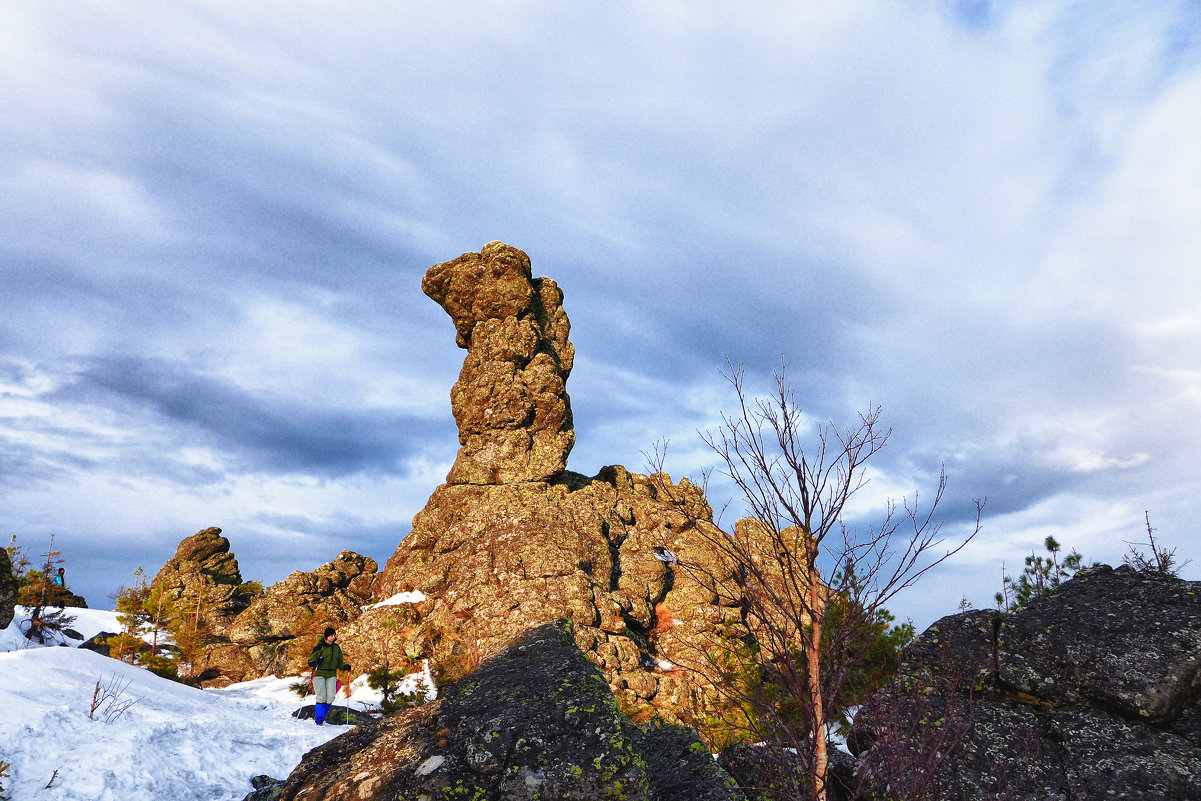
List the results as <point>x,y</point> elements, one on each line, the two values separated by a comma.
<point>664,619</point>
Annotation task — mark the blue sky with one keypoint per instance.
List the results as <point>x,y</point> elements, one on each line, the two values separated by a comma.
<point>214,219</point>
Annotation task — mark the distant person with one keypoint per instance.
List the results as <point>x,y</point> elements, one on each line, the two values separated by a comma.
<point>326,661</point>
<point>59,580</point>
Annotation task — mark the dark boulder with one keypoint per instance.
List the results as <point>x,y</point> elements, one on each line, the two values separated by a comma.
<point>99,644</point>
<point>537,721</point>
<point>681,767</point>
<point>69,600</point>
<point>1091,692</point>
<point>8,590</point>
<point>764,773</point>
<point>265,789</point>
<point>338,715</point>
<point>1114,639</point>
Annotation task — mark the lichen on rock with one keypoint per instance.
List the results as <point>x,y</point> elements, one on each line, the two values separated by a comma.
<point>535,722</point>
<point>1091,692</point>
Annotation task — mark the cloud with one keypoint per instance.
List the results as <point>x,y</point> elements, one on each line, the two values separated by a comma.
<point>262,432</point>
<point>977,215</point>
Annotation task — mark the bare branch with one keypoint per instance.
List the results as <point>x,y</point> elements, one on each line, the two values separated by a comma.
<point>810,589</point>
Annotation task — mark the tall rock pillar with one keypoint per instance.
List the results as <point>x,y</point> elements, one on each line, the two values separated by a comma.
<point>510,402</point>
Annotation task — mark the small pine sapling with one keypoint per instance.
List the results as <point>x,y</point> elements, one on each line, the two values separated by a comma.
<point>1042,575</point>
<point>128,645</point>
<point>302,688</point>
<point>386,680</point>
<point>1160,562</point>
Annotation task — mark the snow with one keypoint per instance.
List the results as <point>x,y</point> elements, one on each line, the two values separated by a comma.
<point>174,742</point>
<point>410,597</point>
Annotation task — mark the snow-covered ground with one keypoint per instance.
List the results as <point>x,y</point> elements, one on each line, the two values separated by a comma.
<point>172,743</point>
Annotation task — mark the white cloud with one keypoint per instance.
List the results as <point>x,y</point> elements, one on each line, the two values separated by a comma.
<point>986,224</point>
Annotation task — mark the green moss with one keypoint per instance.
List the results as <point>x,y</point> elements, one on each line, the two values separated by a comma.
<point>464,792</point>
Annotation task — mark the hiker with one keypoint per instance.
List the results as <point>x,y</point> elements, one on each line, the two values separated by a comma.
<point>59,580</point>
<point>326,660</point>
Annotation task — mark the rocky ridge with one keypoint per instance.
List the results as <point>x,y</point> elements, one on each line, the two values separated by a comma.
<point>512,539</point>
<point>1092,692</point>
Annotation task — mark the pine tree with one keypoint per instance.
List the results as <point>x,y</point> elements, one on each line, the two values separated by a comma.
<point>129,645</point>
<point>41,596</point>
<point>192,632</point>
<point>20,560</point>
<point>1041,575</point>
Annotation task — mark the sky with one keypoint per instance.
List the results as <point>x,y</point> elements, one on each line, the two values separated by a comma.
<point>214,219</point>
<point>148,738</point>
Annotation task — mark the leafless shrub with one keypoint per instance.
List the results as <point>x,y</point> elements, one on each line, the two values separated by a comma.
<point>1160,562</point>
<point>913,728</point>
<point>109,699</point>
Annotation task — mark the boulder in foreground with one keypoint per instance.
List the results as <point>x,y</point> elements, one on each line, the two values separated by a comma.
<point>537,721</point>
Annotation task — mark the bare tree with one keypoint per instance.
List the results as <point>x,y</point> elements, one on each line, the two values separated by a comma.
<point>811,588</point>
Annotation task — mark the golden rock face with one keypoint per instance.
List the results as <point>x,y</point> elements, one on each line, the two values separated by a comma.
<point>510,402</point>
<point>513,539</point>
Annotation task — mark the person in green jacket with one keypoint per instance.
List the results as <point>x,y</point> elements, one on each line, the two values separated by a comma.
<point>326,661</point>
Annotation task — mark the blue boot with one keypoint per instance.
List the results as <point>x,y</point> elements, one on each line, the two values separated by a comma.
<point>319,713</point>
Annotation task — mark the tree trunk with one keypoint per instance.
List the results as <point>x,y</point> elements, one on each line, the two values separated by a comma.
<point>820,757</point>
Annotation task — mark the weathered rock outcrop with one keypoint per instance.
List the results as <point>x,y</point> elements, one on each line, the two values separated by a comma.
<point>495,561</point>
<point>279,628</point>
<point>514,540</point>
<point>204,574</point>
<point>510,401</point>
<point>1092,692</point>
<point>256,633</point>
<point>537,721</point>
<point>8,590</point>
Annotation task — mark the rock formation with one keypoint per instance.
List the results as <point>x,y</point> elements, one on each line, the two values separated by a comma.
<point>1092,692</point>
<point>495,561</point>
<point>514,539</point>
<point>204,574</point>
<point>510,401</point>
<point>259,633</point>
<point>8,590</point>
<point>278,629</point>
<point>537,721</point>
